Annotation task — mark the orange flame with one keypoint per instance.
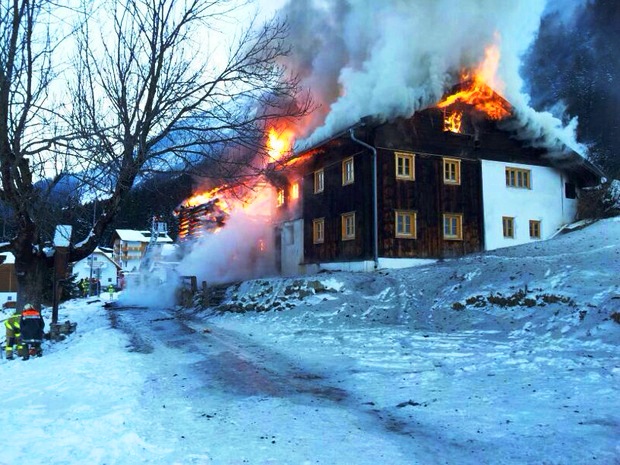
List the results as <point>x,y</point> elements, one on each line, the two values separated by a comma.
<point>452,121</point>
<point>279,142</point>
<point>255,200</point>
<point>479,92</point>
<point>204,197</point>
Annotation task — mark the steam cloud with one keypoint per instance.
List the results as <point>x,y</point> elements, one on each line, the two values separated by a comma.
<point>233,253</point>
<point>393,57</point>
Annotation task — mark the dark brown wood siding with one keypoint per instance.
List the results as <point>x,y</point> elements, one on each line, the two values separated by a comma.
<point>335,200</point>
<point>8,279</point>
<point>429,198</point>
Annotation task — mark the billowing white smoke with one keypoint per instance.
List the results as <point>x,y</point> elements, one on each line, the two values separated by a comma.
<point>242,249</point>
<point>390,58</point>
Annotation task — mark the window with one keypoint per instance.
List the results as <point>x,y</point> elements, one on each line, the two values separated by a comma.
<point>508,226</point>
<point>288,234</point>
<point>451,171</point>
<point>319,181</point>
<point>453,226</point>
<point>405,168</point>
<point>406,224</point>
<point>534,229</point>
<point>318,231</point>
<point>570,191</point>
<point>516,177</point>
<point>348,226</point>
<point>347,172</point>
<point>295,191</point>
<point>280,198</point>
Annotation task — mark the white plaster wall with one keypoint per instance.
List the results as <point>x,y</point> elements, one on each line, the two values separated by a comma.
<point>545,202</point>
<point>292,247</point>
<point>396,263</point>
<point>7,297</point>
<point>366,265</point>
<point>107,274</point>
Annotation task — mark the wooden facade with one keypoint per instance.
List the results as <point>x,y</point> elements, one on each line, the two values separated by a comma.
<point>428,196</point>
<point>337,199</point>
<point>8,278</point>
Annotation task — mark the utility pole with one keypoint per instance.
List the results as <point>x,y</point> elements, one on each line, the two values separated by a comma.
<point>62,242</point>
<point>90,279</point>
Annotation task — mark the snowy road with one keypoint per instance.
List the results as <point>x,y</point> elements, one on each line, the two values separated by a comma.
<point>213,382</point>
<point>373,395</point>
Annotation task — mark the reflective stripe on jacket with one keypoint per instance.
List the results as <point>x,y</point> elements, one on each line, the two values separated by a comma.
<point>12,322</point>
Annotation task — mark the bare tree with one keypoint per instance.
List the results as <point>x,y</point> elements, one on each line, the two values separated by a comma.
<point>149,93</point>
<point>29,131</point>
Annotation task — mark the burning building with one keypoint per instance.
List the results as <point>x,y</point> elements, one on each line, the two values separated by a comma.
<point>449,180</point>
<point>446,182</point>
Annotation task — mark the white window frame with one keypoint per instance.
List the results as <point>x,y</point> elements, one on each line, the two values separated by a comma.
<point>319,181</point>
<point>348,171</point>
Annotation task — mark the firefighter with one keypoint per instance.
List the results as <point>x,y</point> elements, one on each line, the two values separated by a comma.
<point>85,284</point>
<point>111,291</point>
<point>31,325</point>
<point>13,334</point>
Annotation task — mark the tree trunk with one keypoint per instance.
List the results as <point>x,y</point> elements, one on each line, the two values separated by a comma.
<point>32,271</point>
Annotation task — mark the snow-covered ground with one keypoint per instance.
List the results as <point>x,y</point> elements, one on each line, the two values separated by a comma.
<point>509,357</point>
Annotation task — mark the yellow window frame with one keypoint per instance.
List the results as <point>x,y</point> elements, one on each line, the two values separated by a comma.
<point>318,231</point>
<point>408,220</point>
<point>348,226</point>
<point>404,165</point>
<point>453,226</point>
<point>452,171</point>
<point>519,178</point>
<point>508,227</point>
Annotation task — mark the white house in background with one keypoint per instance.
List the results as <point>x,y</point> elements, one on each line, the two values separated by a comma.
<point>98,265</point>
<point>130,247</point>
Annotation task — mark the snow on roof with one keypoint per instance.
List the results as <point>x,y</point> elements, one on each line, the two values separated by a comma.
<point>9,258</point>
<point>131,235</point>
<point>98,251</point>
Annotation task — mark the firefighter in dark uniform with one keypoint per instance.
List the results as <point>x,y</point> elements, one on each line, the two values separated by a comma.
<point>31,325</point>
